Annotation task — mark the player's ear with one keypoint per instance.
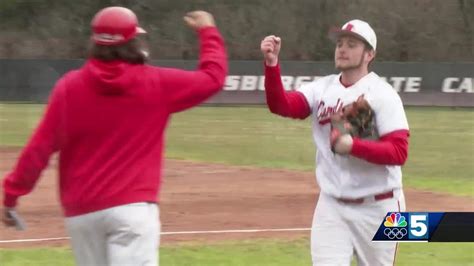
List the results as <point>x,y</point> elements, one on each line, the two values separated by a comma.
<point>370,54</point>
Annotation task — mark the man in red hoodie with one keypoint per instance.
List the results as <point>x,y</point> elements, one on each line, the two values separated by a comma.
<point>107,121</point>
<point>361,180</point>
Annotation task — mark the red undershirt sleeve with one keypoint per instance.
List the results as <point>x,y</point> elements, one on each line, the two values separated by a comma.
<point>287,104</point>
<point>390,149</point>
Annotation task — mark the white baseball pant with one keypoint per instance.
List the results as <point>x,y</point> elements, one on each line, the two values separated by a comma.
<point>341,230</point>
<point>124,235</point>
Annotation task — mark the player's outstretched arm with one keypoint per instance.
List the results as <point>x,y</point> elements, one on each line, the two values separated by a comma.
<point>189,88</point>
<point>286,104</point>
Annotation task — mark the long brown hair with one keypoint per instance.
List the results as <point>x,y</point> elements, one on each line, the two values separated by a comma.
<point>134,51</point>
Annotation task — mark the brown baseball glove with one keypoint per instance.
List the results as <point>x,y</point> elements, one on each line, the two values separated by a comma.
<point>356,119</point>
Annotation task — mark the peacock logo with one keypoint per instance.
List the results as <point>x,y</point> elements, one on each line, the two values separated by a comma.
<point>395,220</point>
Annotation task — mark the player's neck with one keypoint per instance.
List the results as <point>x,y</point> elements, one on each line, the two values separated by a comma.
<point>351,76</point>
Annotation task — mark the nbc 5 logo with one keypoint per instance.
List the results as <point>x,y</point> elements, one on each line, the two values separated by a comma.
<point>395,226</point>
<point>406,226</point>
<point>418,226</point>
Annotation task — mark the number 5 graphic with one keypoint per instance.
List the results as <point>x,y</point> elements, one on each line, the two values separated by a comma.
<point>418,226</point>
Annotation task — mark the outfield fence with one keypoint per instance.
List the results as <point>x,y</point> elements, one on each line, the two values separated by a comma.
<point>419,84</point>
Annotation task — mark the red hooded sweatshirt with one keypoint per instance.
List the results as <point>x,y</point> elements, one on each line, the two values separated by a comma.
<point>107,120</point>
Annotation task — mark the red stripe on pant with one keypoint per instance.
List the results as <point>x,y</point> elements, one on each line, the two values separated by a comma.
<point>396,245</point>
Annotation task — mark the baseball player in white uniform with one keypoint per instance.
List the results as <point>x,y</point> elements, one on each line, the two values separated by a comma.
<point>361,180</point>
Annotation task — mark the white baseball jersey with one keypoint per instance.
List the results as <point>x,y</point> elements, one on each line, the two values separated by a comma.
<point>344,175</point>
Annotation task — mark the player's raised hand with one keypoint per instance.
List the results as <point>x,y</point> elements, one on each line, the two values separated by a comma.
<point>270,47</point>
<point>199,19</point>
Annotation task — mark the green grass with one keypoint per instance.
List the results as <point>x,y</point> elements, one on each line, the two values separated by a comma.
<point>241,136</point>
<point>441,150</point>
<point>263,252</point>
<point>252,253</point>
<point>17,122</point>
<point>441,144</point>
<point>33,257</point>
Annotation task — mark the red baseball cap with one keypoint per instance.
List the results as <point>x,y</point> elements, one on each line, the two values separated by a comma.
<point>115,25</point>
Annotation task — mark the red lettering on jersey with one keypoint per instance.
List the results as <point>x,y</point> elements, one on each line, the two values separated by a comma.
<point>323,113</point>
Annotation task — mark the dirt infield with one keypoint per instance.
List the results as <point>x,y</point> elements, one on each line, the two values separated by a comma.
<point>202,197</point>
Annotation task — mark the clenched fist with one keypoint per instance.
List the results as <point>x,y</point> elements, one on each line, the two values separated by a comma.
<point>270,48</point>
<point>199,19</point>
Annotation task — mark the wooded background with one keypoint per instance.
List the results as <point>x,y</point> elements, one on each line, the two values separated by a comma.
<point>407,30</point>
